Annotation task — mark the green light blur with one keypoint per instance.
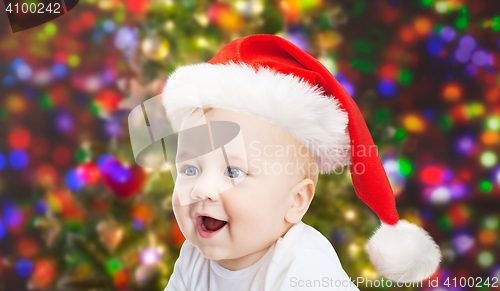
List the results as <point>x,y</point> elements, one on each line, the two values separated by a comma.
<point>73,61</point>
<point>113,266</point>
<point>488,159</point>
<point>405,77</point>
<point>363,66</point>
<point>426,2</point>
<point>475,109</point>
<point>485,259</point>
<point>486,186</point>
<point>362,46</point>
<point>405,167</point>
<point>445,222</point>
<point>358,9</point>
<point>400,134</point>
<point>3,113</point>
<point>382,115</point>
<point>461,22</point>
<point>495,23</point>
<point>46,102</point>
<point>119,17</point>
<point>446,123</point>
<point>50,28</point>
<point>81,155</point>
<point>491,222</point>
<point>443,7</point>
<point>493,123</point>
<point>73,226</point>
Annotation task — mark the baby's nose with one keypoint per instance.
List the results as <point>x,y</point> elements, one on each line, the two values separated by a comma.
<point>209,187</point>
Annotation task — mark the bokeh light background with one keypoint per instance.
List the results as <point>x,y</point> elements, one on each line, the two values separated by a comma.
<point>77,214</point>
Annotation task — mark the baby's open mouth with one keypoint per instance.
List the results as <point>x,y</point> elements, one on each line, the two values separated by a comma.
<point>211,224</point>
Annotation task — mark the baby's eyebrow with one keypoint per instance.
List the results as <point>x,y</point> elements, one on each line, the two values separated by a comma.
<point>183,156</point>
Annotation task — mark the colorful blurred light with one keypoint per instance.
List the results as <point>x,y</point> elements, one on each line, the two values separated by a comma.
<point>432,175</point>
<point>405,77</point>
<point>470,70</point>
<point>137,225</point>
<point>442,7</point>
<point>465,144</point>
<point>480,58</point>
<point>19,138</point>
<point>73,181</point>
<point>452,92</point>
<point>493,123</point>
<point>459,214</point>
<point>63,122</point>
<point>434,47</point>
<point>12,216</point>
<point>485,186</point>
<point>462,55</point>
<point>125,38</point>
<point>150,256</point>
<point>88,172</point>
<point>44,273</point>
<point>108,25</point>
<point>490,137</point>
<point>463,243</point>
<point>18,159</point>
<point>448,33</point>
<point>487,237</point>
<point>422,26</point>
<point>24,267</point>
<point>440,195</point>
<point>458,191</point>
<point>2,161</point>
<point>3,229</point>
<point>491,222</point>
<point>9,80</point>
<point>387,88</point>
<point>413,123</point>
<point>476,109</point>
<point>467,43</point>
<point>485,259</point>
<point>102,160</point>
<point>113,266</point>
<point>59,70</point>
<point>488,159</point>
<point>113,127</point>
<point>41,207</point>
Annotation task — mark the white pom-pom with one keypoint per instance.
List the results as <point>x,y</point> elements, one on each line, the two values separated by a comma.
<point>404,252</point>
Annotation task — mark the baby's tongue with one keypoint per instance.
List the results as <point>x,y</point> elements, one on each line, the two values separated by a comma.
<point>213,224</point>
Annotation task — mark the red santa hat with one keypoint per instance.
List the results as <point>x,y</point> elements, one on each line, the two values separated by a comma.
<point>269,77</point>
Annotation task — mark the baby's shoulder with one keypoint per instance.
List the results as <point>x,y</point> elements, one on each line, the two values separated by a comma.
<point>305,245</point>
<point>304,237</point>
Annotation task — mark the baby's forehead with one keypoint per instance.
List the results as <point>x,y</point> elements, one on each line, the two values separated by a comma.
<point>260,136</point>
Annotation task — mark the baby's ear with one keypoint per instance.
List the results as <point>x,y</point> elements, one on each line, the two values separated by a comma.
<point>301,196</point>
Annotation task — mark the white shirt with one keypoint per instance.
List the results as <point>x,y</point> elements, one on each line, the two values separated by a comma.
<point>302,260</point>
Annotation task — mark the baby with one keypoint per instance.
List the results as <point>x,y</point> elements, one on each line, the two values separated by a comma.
<point>256,125</point>
<point>250,236</point>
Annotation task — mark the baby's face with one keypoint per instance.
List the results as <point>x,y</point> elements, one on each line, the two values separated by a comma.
<point>233,211</point>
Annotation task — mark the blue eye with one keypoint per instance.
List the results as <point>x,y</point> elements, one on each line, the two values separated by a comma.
<point>191,171</point>
<point>234,172</point>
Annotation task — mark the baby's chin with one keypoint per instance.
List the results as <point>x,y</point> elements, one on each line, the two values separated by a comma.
<point>214,252</point>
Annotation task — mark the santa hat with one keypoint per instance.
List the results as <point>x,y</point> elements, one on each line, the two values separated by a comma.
<point>268,77</point>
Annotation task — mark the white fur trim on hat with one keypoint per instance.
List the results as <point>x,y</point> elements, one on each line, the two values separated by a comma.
<point>283,100</point>
<point>404,252</point>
